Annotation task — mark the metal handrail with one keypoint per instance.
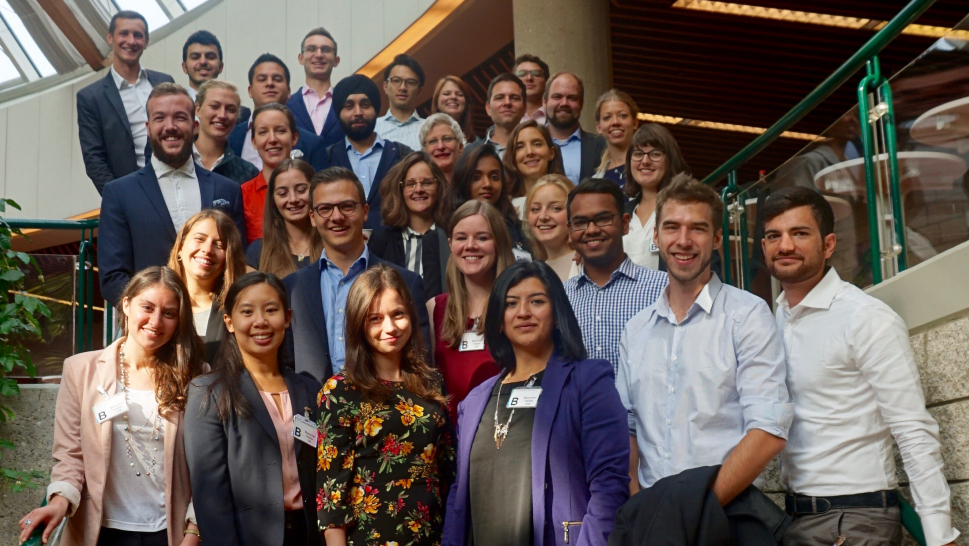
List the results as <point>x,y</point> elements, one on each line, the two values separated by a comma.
<point>910,13</point>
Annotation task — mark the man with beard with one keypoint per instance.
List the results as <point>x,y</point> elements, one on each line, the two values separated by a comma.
<point>609,289</point>
<point>855,383</point>
<point>505,107</point>
<point>201,60</point>
<point>581,151</point>
<point>312,104</point>
<point>141,213</point>
<point>701,370</point>
<point>363,151</point>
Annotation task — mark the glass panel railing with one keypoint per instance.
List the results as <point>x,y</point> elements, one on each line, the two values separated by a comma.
<point>54,285</point>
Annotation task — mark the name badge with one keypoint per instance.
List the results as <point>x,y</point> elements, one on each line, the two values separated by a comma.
<point>652,246</point>
<point>521,255</point>
<point>471,341</point>
<point>524,397</point>
<point>305,430</point>
<point>110,408</point>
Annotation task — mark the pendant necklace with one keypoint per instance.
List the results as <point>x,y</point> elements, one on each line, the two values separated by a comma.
<point>501,430</point>
<point>153,436</point>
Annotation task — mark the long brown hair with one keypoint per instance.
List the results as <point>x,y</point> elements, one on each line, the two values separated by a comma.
<point>515,177</point>
<point>419,377</point>
<point>660,138</point>
<point>467,118</point>
<point>393,209</point>
<point>276,257</point>
<point>235,263</point>
<point>456,312</point>
<point>180,360</point>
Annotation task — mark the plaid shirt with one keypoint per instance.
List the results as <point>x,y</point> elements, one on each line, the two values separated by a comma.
<point>603,312</point>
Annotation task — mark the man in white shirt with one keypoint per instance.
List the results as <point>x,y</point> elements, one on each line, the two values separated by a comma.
<point>853,377</point>
<point>701,370</point>
<point>403,81</point>
<point>201,60</point>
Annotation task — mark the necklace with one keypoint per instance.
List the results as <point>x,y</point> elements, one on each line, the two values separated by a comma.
<point>300,256</point>
<point>154,420</point>
<point>501,430</point>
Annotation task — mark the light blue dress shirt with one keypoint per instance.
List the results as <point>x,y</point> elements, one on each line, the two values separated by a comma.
<point>365,164</point>
<point>571,149</point>
<point>406,132</point>
<point>335,287</point>
<point>693,389</point>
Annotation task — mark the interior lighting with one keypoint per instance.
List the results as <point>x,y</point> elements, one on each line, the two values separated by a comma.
<point>718,126</point>
<point>423,26</point>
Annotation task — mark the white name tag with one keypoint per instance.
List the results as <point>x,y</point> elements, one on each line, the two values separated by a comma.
<point>521,255</point>
<point>305,430</point>
<point>524,397</point>
<point>471,341</point>
<point>652,246</point>
<point>110,408</point>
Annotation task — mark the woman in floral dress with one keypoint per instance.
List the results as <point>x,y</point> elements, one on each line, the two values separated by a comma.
<point>386,450</point>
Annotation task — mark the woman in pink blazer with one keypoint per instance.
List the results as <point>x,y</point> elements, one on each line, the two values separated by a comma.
<point>125,480</point>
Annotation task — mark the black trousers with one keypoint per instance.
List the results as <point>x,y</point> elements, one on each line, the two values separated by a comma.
<point>117,537</point>
<point>295,534</point>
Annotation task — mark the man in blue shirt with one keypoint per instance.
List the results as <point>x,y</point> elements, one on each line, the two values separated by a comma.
<point>581,151</point>
<point>316,340</point>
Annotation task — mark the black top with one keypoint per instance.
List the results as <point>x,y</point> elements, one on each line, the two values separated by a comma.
<point>500,479</point>
<point>254,253</point>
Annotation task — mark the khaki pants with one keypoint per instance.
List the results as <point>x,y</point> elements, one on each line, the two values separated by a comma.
<point>859,526</point>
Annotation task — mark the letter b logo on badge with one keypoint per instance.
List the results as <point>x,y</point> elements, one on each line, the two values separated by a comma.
<point>297,432</point>
<point>464,345</point>
<point>102,416</point>
<point>513,403</point>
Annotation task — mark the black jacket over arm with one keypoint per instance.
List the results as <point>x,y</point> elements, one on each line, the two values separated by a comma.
<point>388,244</point>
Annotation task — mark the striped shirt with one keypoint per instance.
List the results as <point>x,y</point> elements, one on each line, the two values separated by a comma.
<point>603,312</point>
<point>406,132</point>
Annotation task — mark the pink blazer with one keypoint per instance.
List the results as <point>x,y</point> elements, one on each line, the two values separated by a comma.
<point>82,450</point>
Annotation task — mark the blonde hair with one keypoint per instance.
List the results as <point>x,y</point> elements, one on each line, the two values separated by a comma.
<point>614,95</point>
<point>561,182</point>
<point>235,264</point>
<point>215,84</point>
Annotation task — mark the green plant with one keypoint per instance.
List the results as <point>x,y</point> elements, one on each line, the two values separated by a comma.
<point>18,322</point>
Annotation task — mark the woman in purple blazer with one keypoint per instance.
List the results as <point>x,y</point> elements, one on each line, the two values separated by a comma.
<point>552,419</point>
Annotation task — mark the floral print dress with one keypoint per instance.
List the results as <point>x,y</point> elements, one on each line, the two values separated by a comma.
<point>383,468</point>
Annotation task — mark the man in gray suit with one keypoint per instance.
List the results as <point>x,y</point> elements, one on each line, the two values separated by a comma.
<point>111,113</point>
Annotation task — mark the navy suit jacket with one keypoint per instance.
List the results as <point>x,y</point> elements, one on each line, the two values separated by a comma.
<point>331,132</point>
<point>307,347</point>
<point>593,147</point>
<point>107,146</point>
<point>580,455</point>
<point>392,153</point>
<point>136,231</point>
<point>314,152</point>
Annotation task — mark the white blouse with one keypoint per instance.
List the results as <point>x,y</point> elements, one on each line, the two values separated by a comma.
<point>638,243</point>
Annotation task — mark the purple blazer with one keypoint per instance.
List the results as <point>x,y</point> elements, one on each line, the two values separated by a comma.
<point>580,456</point>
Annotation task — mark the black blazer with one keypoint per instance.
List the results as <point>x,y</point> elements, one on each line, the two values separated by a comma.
<point>716,262</point>
<point>593,147</point>
<point>136,230</point>
<point>236,466</point>
<point>307,348</point>
<point>388,244</point>
<point>215,331</point>
<point>392,153</point>
<point>314,152</point>
<point>107,146</point>
<point>331,132</point>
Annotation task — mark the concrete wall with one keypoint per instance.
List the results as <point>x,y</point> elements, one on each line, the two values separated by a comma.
<point>40,157</point>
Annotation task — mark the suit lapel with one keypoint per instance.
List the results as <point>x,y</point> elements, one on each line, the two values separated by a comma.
<point>107,369</point>
<point>171,433</point>
<point>297,398</point>
<point>330,119</point>
<point>387,157</point>
<point>149,184</point>
<point>340,157</point>
<point>248,389</point>
<point>552,383</point>
<point>206,186</point>
<point>587,151</point>
<point>114,98</point>
<point>474,408</point>
<point>298,108</point>
<point>395,248</point>
<point>314,300</point>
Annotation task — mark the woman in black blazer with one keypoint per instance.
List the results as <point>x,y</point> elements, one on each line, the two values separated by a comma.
<point>412,200</point>
<point>252,476</point>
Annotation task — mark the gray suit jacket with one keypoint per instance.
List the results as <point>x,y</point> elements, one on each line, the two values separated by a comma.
<point>593,147</point>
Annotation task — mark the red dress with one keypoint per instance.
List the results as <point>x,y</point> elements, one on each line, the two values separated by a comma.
<point>253,205</point>
<point>462,371</point>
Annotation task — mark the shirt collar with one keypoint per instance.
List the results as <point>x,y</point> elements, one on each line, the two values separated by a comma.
<point>163,169</point>
<point>119,81</point>
<point>389,117</point>
<point>627,268</point>
<point>577,135</point>
<point>364,259</point>
<point>376,142</point>
<point>222,158</point>
<point>820,297</point>
<point>704,299</point>
<point>307,90</point>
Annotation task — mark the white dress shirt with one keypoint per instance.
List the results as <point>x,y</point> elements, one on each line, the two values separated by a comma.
<point>180,189</point>
<point>249,152</point>
<point>638,243</point>
<point>855,385</point>
<point>135,101</point>
<point>693,389</point>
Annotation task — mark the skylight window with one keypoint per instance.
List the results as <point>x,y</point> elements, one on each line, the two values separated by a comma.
<point>149,8</point>
<point>27,43</point>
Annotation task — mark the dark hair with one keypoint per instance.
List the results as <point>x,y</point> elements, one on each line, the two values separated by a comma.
<point>318,31</point>
<point>227,364</point>
<point>597,185</point>
<point>202,37</point>
<point>686,189</point>
<point>268,58</point>
<point>337,174</point>
<point>277,107</point>
<point>578,80</point>
<point>660,138</point>
<point>393,210</point>
<point>127,14</point>
<point>785,199</point>
<point>566,334</point>
<point>505,77</point>
<point>275,257</point>
<point>165,89</point>
<point>555,166</point>
<point>405,60</point>
<point>463,177</point>
<point>529,58</point>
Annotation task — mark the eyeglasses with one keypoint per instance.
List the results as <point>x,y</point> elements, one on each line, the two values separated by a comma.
<point>534,73</point>
<point>312,49</point>
<point>600,220</point>
<point>325,210</point>
<point>654,155</point>
<point>409,82</point>
<point>446,140</point>
<point>411,184</point>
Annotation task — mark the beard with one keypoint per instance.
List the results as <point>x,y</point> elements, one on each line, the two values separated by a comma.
<point>561,119</point>
<point>808,268</point>
<point>357,134</point>
<point>177,159</point>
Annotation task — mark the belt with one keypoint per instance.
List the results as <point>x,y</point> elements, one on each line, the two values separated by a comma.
<point>796,505</point>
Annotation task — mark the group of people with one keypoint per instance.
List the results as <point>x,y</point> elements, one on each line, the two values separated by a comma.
<point>371,330</point>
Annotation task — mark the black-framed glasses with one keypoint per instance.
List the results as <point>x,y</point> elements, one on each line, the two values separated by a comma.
<point>325,210</point>
<point>312,49</point>
<point>654,155</point>
<point>581,223</point>
<point>397,81</point>
<point>445,139</point>
<point>534,73</point>
<point>410,184</point>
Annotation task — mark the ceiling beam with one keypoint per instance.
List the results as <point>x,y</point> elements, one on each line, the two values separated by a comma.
<point>65,20</point>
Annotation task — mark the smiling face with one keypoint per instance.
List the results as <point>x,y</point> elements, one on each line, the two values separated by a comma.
<point>616,123</point>
<point>152,317</point>
<point>473,247</point>
<point>420,200</point>
<point>341,233</point>
<point>687,237</point>
<point>202,63</point>
<point>647,173</point>
<point>486,180</point>
<point>793,247</point>
<point>258,321</point>
<point>532,154</point>
<point>402,95</point>
<point>443,146</point>
<point>358,117</point>
<point>452,101</point>
<point>203,252</point>
<point>599,246</point>
<point>506,106</point>
<point>388,323</point>
<point>564,104</point>
<point>129,40</point>
<point>268,84</point>
<point>171,128</point>
<point>547,216</point>
<point>529,319</point>
<point>292,196</point>
<point>272,137</point>
<point>218,114</point>
<point>319,57</point>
